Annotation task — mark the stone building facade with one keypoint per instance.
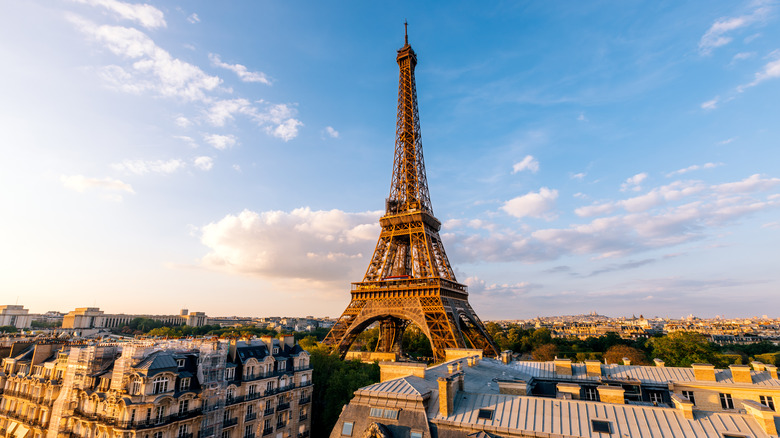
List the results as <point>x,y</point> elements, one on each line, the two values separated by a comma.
<point>157,389</point>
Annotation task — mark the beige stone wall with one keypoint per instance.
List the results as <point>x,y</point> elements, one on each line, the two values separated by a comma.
<point>394,370</point>
<point>708,396</point>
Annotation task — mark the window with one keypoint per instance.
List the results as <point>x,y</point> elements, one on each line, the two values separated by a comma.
<point>180,363</point>
<point>231,394</point>
<point>656,397</point>
<point>485,414</point>
<point>184,384</point>
<point>601,426</point>
<point>416,434</point>
<point>282,366</point>
<point>248,431</point>
<point>267,424</point>
<point>250,409</point>
<point>689,395</point>
<point>184,406</point>
<point>269,386</point>
<point>160,384</point>
<point>767,401</point>
<point>346,429</point>
<point>160,413</point>
<point>226,433</point>
<point>182,431</point>
<point>230,373</point>
<point>148,414</point>
<point>135,388</point>
<point>276,351</point>
<point>252,389</point>
<point>158,435</point>
<point>726,402</point>
<point>591,393</point>
<point>390,414</point>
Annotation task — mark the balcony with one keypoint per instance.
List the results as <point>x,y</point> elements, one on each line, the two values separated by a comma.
<point>207,432</point>
<point>304,434</point>
<point>268,431</point>
<point>152,422</point>
<point>249,435</point>
<point>282,407</point>
<point>230,422</point>
<point>252,396</point>
<point>250,417</point>
<point>304,400</point>
<point>269,411</point>
<point>303,417</point>
<point>184,435</point>
<point>304,384</point>
<point>234,400</point>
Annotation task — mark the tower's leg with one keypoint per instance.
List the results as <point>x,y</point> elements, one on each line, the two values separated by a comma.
<point>391,332</point>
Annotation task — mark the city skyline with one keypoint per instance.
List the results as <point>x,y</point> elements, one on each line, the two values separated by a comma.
<point>609,157</point>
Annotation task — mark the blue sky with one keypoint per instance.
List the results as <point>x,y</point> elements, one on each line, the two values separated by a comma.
<point>234,158</point>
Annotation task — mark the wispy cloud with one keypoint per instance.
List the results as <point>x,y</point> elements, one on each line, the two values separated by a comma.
<point>203,162</point>
<point>144,14</point>
<point>277,119</point>
<point>710,104</point>
<point>770,71</point>
<point>109,188</point>
<point>634,183</point>
<point>332,133</point>
<point>141,167</point>
<point>694,167</point>
<point>719,33</point>
<point>152,70</point>
<point>221,142</point>
<point>193,18</point>
<point>528,163</point>
<point>578,176</point>
<point>240,70</point>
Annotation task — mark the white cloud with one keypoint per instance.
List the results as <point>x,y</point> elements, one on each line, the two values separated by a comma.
<point>770,71</point>
<point>286,130</point>
<point>203,163</point>
<point>187,139</point>
<point>221,142</point>
<point>153,69</point>
<point>578,176</point>
<point>182,122</point>
<point>106,186</point>
<point>478,286</point>
<point>718,34</point>
<point>694,167</point>
<point>742,55</point>
<point>144,14</point>
<point>240,70</point>
<point>582,117</point>
<point>237,168</point>
<point>528,163</point>
<point>727,141</point>
<point>280,117</point>
<point>677,213</point>
<point>193,18</point>
<point>532,204</point>
<point>710,104</point>
<point>634,183</point>
<point>141,167</point>
<point>313,246</point>
<point>331,132</point>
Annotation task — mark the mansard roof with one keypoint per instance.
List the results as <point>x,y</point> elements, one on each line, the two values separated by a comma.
<point>156,362</point>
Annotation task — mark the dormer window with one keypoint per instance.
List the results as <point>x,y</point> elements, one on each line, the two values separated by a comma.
<point>160,385</point>
<point>230,373</point>
<point>282,366</point>
<point>276,350</point>
<point>135,387</point>
<point>180,363</point>
<point>184,384</point>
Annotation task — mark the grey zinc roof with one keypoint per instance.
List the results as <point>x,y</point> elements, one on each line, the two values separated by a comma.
<point>572,418</point>
<point>645,374</point>
<point>406,387</point>
<point>156,361</point>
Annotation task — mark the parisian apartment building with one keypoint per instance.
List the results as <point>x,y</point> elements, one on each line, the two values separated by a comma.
<point>185,388</point>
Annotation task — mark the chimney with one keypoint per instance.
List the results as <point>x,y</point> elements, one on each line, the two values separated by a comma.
<point>764,416</point>
<point>451,368</point>
<point>593,368</point>
<point>568,391</point>
<point>704,372</point>
<point>611,394</point>
<point>506,356</point>
<point>772,369</point>
<point>562,367</point>
<point>288,340</point>
<point>740,373</point>
<point>683,405</point>
<point>471,360</point>
<point>448,387</point>
<point>626,361</point>
<point>659,363</point>
<point>758,366</point>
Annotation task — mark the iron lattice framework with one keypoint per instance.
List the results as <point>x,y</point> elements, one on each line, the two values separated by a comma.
<point>409,278</point>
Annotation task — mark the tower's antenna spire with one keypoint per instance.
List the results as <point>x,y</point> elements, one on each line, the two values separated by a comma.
<point>406,34</point>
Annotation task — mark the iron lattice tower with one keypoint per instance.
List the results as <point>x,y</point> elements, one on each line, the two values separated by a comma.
<point>409,278</point>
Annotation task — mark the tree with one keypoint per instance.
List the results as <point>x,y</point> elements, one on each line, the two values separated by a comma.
<point>616,353</point>
<point>681,349</point>
<point>545,352</point>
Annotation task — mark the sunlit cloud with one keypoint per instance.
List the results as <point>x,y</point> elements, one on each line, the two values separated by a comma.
<point>240,70</point>
<point>332,133</point>
<point>528,163</point>
<point>203,163</point>
<point>110,189</point>
<point>533,204</point>
<point>144,14</point>
<point>221,142</point>
<point>634,183</point>
<point>694,167</point>
<point>141,167</point>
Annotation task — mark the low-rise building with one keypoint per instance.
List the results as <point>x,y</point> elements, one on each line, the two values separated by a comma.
<point>469,396</point>
<point>94,318</point>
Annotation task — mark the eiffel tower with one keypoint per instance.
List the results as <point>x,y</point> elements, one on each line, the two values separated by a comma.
<point>409,279</point>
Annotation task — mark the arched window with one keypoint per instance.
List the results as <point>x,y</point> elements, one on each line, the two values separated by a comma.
<point>135,387</point>
<point>159,384</point>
